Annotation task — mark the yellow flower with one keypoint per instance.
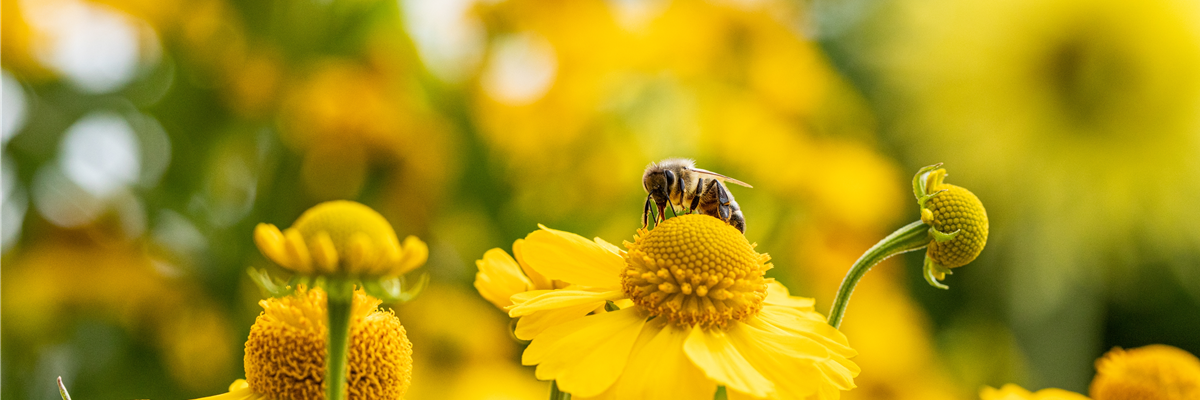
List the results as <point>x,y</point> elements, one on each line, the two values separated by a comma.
<point>702,315</point>
<point>285,354</point>
<point>341,238</point>
<point>500,276</point>
<point>1155,372</point>
<point>1014,392</point>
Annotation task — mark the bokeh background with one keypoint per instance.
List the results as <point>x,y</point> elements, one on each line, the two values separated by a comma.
<point>144,139</point>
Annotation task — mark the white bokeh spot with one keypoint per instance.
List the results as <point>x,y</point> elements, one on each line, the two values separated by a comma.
<point>15,107</point>
<point>448,37</point>
<point>520,69</point>
<point>101,154</point>
<point>95,47</point>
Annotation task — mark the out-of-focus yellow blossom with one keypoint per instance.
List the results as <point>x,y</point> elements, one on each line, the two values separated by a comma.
<point>491,381</point>
<point>346,117</point>
<point>618,85</point>
<point>1014,392</point>
<point>1154,372</point>
<point>893,340</point>
<point>341,238</point>
<point>501,276</point>
<point>852,185</point>
<point>49,281</point>
<point>719,322</point>
<point>464,349</point>
<point>343,100</point>
<point>285,353</point>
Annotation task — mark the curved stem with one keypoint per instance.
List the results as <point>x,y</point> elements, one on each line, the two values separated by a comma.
<point>914,236</point>
<point>341,298</point>
<point>556,394</point>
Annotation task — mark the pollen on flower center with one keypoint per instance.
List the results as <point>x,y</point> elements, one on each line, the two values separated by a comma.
<point>286,350</point>
<point>695,269</point>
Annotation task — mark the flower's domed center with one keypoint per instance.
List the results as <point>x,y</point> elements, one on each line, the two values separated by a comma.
<point>343,221</point>
<point>1151,372</point>
<point>695,269</point>
<point>341,237</point>
<point>956,209</point>
<point>285,354</point>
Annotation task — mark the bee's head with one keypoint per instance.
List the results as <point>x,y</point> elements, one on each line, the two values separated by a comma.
<point>658,183</point>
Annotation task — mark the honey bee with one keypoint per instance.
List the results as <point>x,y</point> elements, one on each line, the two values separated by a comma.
<point>677,181</point>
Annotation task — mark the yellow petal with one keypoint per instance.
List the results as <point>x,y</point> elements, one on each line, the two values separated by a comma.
<point>297,252</point>
<point>1014,392</point>
<point>238,390</point>
<point>778,294</point>
<point>361,253</point>
<point>571,258</point>
<point>270,242</point>
<point>586,355</point>
<point>551,299</point>
<point>323,253</point>
<point>798,366</point>
<point>415,253</point>
<point>808,324</point>
<point>499,277</point>
<point>529,326</point>
<point>659,369</point>
<point>540,282</point>
<point>715,355</point>
<point>612,248</point>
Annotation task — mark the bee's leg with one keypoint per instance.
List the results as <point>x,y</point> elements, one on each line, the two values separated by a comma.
<point>646,213</point>
<point>695,197</point>
<point>723,202</point>
<point>712,201</point>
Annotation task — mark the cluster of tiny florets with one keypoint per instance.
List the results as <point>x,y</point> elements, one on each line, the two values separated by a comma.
<point>286,351</point>
<point>957,209</point>
<point>695,270</point>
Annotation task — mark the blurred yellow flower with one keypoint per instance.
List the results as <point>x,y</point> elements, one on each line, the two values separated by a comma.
<point>285,353</point>
<point>1154,372</point>
<point>54,283</point>
<point>341,238</point>
<point>1014,392</point>
<point>716,322</point>
<point>465,348</point>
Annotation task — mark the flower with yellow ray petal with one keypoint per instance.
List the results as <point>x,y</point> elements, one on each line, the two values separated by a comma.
<point>341,238</point>
<point>1154,372</point>
<point>1014,392</point>
<point>285,354</point>
<point>702,315</point>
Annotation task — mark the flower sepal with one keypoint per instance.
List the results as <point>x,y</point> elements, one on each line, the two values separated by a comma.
<point>396,289</point>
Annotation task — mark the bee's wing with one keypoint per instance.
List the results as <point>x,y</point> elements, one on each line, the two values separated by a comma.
<point>720,177</point>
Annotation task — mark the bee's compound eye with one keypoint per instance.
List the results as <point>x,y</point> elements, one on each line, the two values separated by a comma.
<point>670,178</point>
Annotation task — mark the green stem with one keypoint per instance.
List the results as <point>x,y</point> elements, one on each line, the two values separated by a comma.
<point>914,236</point>
<point>341,298</point>
<point>556,394</point>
